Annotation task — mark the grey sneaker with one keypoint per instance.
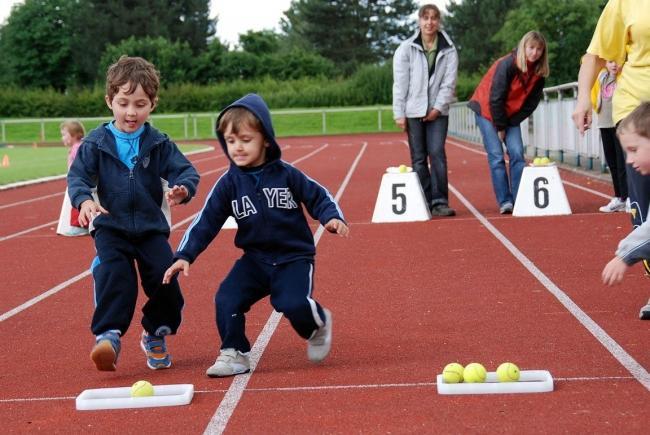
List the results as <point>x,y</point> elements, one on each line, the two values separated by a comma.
<point>230,362</point>
<point>320,343</point>
<point>644,314</point>
<point>506,208</point>
<point>442,210</point>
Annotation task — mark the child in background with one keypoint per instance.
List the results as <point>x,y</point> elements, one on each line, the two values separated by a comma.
<point>634,134</point>
<point>125,160</point>
<point>266,196</point>
<point>72,132</point>
<point>601,96</point>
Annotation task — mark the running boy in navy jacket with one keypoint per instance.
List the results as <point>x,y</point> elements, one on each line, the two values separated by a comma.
<point>126,160</point>
<point>265,195</point>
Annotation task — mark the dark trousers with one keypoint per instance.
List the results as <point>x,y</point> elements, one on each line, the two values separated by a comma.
<point>615,159</point>
<point>290,288</point>
<point>116,283</point>
<point>427,145</point>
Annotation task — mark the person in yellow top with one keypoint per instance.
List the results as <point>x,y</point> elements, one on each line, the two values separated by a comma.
<point>622,35</point>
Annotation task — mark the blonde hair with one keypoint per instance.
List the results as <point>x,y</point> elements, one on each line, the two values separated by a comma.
<point>75,128</point>
<point>638,121</point>
<point>541,66</point>
<point>236,117</point>
<point>134,71</point>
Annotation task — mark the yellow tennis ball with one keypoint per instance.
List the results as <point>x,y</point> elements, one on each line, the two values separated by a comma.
<point>537,161</point>
<point>474,372</point>
<point>403,168</point>
<point>545,161</point>
<point>141,389</point>
<point>508,372</point>
<point>452,373</point>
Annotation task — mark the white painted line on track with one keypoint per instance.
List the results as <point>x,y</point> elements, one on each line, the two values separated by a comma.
<point>617,351</point>
<point>28,230</point>
<point>17,400</point>
<point>220,419</point>
<point>27,201</point>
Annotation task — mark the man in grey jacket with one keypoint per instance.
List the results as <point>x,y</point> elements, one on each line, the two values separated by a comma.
<point>424,81</point>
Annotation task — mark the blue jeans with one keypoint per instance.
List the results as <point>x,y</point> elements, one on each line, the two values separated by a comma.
<point>427,145</point>
<point>505,191</point>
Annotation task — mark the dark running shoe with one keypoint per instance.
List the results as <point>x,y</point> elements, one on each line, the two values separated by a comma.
<point>442,210</point>
<point>106,351</point>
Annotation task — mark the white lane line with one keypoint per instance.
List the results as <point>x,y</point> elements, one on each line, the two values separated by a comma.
<point>326,387</point>
<point>27,201</point>
<point>28,230</point>
<point>617,351</point>
<point>82,275</point>
<point>568,183</point>
<point>229,402</point>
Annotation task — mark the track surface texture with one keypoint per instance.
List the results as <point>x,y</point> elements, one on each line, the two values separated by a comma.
<point>407,298</point>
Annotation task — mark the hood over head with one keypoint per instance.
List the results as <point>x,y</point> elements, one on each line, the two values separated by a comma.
<point>256,105</point>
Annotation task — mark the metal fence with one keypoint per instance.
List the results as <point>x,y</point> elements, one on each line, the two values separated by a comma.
<point>189,126</point>
<point>549,131</point>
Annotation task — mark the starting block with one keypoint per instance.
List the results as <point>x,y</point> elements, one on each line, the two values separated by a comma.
<point>530,381</point>
<point>400,198</point>
<point>541,193</point>
<point>120,398</point>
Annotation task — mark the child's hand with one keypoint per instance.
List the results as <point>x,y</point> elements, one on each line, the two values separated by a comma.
<point>176,195</point>
<point>614,271</point>
<point>89,210</point>
<point>174,269</point>
<point>337,226</point>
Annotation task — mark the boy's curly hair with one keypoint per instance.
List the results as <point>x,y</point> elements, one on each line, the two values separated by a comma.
<point>638,121</point>
<point>134,71</point>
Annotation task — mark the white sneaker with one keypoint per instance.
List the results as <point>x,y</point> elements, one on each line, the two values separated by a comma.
<point>616,204</point>
<point>229,363</point>
<point>320,343</point>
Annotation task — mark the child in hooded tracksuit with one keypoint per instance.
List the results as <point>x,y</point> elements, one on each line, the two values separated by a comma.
<point>265,195</point>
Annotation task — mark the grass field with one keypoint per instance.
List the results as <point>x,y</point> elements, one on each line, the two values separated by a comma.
<point>27,163</point>
<point>201,126</point>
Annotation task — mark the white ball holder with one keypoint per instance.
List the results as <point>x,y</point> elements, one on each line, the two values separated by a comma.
<point>530,381</point>
<point>120,397</point>
<point>400,198</point>
<point>541,193</point>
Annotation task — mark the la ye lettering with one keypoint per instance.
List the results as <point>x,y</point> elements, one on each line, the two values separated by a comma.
<point>277,197</point>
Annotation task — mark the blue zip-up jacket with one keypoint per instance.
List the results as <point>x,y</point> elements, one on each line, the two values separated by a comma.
<point>133,197</point>
<point>272,227</point>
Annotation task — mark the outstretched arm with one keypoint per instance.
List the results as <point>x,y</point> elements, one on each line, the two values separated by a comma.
<point>337,226</point>
<point>591,65</point>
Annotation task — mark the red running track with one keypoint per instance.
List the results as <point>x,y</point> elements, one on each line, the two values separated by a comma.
<point>407,299</point>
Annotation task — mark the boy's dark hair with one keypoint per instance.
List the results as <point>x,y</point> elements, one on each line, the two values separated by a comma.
<point>135,71</point>
<point>638,121</point>
<point>429,7</point>
<point>236,117</point>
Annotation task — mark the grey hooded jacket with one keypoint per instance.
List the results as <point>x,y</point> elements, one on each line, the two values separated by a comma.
<point>415,91</point>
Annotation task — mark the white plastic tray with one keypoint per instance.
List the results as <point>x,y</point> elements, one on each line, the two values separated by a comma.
<point>120,398</point>
<point>530,381</point>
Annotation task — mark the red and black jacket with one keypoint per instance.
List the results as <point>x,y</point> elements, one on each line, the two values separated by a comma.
<point>506,96</point>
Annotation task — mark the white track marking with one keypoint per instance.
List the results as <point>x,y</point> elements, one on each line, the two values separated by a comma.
<point>28,230</point>
<point>625,359</point>
<point>229,402</point>
<point>325,387</point>
<point>27,201</point>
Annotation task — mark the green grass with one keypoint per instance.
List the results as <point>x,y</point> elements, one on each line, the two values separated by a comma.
<point>201,126</point>
<point>28,163</point>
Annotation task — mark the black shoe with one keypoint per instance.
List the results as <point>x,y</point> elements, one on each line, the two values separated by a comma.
<point>506,208</point>
<point>442,210</point>
<point>644,314</point>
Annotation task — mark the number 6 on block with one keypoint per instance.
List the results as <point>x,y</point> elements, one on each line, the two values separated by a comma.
<point>541,193</point>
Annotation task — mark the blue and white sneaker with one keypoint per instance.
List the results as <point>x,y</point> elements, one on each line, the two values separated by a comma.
<point>155,349</point>
<point>106,350</point>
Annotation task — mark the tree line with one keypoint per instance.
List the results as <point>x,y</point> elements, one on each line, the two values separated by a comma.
<point>65,46</point>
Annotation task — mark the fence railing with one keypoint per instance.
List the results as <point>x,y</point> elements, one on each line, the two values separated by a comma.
<point>549,131</point>
<point>189,126</point>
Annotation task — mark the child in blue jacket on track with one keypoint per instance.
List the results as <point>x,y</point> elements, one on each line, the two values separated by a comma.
<point>125,160</point>
<point>265,195</point>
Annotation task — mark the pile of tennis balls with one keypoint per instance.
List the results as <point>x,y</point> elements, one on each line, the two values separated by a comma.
<point>455,373</point>
<point>541,161</point>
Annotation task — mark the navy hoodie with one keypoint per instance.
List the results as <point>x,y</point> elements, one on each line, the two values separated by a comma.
<point>272,227</point>
<point>133,197</point>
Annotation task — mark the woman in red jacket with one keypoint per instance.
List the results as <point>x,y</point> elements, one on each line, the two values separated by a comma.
<point>507,94</point>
